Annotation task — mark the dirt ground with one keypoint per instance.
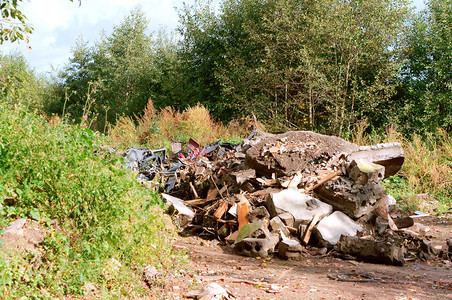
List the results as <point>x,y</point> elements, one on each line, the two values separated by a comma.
<point>273,278</point>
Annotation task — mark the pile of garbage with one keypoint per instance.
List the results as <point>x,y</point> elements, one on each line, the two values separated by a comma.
<point>293,194</point>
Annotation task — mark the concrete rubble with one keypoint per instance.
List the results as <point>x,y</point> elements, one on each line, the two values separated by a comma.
<point>286,193</point>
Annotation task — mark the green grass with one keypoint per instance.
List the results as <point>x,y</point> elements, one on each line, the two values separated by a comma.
<point>53,173</point>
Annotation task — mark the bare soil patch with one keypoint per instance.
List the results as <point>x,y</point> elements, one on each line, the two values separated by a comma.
<point>273,278</point>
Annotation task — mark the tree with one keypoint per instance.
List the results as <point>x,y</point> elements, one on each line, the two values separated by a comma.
<point>19,83</point>
<point>298,64</point>
<point>113,78</point>
<point>424,97</point>
<point>13,25</point>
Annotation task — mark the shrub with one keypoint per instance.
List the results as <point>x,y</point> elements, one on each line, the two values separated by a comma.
<point>60,172</point>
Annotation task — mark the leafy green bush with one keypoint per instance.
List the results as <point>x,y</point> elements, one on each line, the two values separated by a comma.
<point>59,174</point>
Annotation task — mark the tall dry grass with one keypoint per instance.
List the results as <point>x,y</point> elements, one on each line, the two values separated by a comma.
<point>425,181</point>
<point>155,129</point>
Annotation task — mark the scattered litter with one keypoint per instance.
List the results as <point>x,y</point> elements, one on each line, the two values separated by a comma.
<point>212,291</point>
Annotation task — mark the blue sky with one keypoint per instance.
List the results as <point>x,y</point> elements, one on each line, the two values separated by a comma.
<point>58,23</point>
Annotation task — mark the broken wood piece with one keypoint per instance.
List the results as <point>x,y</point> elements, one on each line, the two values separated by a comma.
<point>193,190</point>
<point>243,210</point>
<point>324,179</point>
<point>293,181</point>
<point>267,182</point>
<point>221,210</point>
<point>311,226</point>
<point>212,194</point>
<point>292,230</point>
<point>197,202</point>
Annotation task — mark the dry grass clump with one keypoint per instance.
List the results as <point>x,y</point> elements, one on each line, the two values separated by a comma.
<point>155,129</point>
<point>425,181</point>
<point>428,164</point>
<point>124,134</point>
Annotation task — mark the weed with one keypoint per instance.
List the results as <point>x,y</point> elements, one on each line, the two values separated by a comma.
<point>60,172</point>
<point>427,169</point>
<point>155,129</point>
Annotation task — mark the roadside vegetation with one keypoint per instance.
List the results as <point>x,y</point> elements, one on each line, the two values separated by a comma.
<point>367,71</point>
<point>103,228</point>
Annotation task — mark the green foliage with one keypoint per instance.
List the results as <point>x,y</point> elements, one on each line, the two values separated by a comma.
<point>59,172</point>
<point>423,101</point>
<point>310,64</point>
<point>18,81</point>
<point>117,75</point>
<point>13,25</point>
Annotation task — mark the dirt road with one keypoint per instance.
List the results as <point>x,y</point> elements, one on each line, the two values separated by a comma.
<point>273,278</point>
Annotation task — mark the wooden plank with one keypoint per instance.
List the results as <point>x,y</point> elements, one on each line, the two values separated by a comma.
<point>324,179</point>
<point>221,210</point>
<point>193,190</point>
<point>311,226</point>
<point>243,211</point>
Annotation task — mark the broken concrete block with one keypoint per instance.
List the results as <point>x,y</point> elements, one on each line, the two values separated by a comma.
<point>254,239</point>
<point>277,225</point>
<point>389,155</point>
<point>258,213</point>
<point>297,149</point>
<point>352,199</point>
<point>257,247</point>
<point>179,206</point>
<point>243,175</point>
<point>363,171</point>
<point>302,207</point>
<point>371,251</point>
<point>287,219</point>
<point>330,229</point>
<point>289,249</point>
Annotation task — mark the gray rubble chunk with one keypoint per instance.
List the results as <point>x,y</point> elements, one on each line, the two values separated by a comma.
<point>243,175</point>
<point>302,207</point>
<point>179,206</point>
<point>389,155</point>
<point>258,213</point>
<point>289,249</point>
<point>353,199</point>
<point>331,228</point>
<point>22,235</point>
<point>287,219</point>
<point>371,251</point>
<point>277,225</point>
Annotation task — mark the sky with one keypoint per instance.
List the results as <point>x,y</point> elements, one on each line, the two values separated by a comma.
<point>58,23</point>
